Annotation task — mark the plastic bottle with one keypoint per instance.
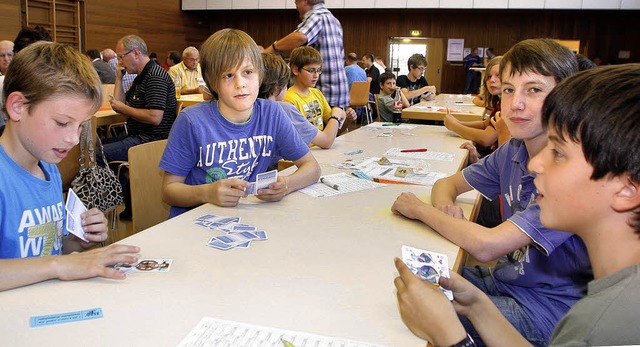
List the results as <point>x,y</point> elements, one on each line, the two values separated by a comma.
<point>397,107</point>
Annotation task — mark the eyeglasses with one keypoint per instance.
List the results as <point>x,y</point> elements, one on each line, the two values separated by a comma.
<point>121,56</point>
<point>421,68</point>
<point>313,71</point>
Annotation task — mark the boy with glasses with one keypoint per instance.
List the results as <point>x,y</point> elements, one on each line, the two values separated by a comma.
<point>414,84</point>
<point>306,66</point>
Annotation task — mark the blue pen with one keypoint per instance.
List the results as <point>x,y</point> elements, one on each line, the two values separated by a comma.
<point>390,125</point>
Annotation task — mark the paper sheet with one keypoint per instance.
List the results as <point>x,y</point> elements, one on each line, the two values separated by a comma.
<point>218,332</point>
<point>346,184</point>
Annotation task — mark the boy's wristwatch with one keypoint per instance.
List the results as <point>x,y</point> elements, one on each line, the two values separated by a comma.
<point>467,342</point>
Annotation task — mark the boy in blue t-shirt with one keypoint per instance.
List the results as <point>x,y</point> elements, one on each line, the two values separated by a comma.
<point>216,148</point>
<point>588,177</point>
<point>51,92</point>
<point>540,272</point>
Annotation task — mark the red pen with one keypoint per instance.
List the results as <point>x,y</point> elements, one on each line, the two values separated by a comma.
<point>413,150</point>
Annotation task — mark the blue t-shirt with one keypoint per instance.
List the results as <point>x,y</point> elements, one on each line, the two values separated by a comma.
<point>306,130</point>
<point>205,147</point>
<point>355,74</point>
<point>31,210</point>
<point>550,275</point>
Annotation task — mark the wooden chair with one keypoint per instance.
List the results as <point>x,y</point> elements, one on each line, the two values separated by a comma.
<point>359,97</point>
<point>375,97</point>
<point>107,90</point>
<point>145,177</point>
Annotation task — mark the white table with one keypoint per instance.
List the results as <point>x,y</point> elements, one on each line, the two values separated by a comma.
<point>327,268</point>
<point>460,106</point>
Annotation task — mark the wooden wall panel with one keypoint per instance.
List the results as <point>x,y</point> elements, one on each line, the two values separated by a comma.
<point>165,27</point>
<point>602,33</point>
<point>9,19</point>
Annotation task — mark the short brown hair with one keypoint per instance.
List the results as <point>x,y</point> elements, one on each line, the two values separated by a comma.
<point>276,75</point>
<point>45,70</point>
<point>541,56</point>
<point>304,55</point>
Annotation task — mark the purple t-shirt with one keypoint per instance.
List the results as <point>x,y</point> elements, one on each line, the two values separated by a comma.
<point>205,147</point>
<point>548,276</point>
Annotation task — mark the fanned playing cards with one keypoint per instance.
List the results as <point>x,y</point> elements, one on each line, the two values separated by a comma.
<point>427,265</point>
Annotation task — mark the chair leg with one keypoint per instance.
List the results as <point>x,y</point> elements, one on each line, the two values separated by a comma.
<point>368,114</point>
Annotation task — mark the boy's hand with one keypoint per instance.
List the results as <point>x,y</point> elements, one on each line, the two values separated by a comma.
<point>450,120</point>
<point>474,156</point>
<point>226,192</point>
<point>95,226</point>
<point>275,192</point>
<point>408,205</point>
<point>338,113</point>
<point>94,263</point>
<point>466,295</point>
<point>426,310</point>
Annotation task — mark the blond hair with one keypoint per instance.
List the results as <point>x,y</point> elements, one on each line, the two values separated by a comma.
<point>224,51</point>
<point>45,70</point>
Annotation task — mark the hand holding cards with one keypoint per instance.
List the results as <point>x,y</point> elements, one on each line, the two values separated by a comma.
<point>427,265</point>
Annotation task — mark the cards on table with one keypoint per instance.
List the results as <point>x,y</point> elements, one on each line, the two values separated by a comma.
<point>237,235</point>
<point>427,265</point>
<point>75,208</point>
<point>145,265</point>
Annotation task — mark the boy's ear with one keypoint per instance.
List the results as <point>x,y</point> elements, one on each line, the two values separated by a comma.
<point>16,106</point>
<point>294,70</point>
<point>627,197</point>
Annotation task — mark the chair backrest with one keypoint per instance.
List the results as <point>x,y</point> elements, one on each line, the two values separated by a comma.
<point>145,177</point>
<point>107,89</point>
<point>359,94</point>
<point>376,96</point>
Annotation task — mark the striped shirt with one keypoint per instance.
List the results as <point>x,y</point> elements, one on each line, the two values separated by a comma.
<point>152,89</point>
<point>324,33</point>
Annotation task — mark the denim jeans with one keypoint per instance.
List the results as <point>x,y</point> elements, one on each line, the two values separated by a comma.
<point>118,148</point>
<point>481,277</point>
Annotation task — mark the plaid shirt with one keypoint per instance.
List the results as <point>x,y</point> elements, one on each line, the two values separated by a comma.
<point>324,33</point>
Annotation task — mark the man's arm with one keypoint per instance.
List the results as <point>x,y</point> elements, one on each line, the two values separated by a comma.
<point>143,115</point>
<point>288,43</point>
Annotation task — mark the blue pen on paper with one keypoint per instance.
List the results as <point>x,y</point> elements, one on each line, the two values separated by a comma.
<point>390,124</point>
<point>67,317</point>
<point>329,183</point>
<point>362,175</point>
<point>386,171</point>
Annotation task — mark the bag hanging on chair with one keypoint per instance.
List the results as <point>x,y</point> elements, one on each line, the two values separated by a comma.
<point>96,186</point>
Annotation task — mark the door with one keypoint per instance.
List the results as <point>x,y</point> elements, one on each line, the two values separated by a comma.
<point>401,48</point>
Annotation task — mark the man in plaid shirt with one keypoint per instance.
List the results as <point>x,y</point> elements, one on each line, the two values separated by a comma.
<point>322,31</point>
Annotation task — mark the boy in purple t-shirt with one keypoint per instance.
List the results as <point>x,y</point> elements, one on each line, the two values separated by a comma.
<point>540,272</point>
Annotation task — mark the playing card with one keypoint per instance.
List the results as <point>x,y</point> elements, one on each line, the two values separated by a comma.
<point>145,265</point>
<point>75,208</point>
<point>263,180</point>
<point>261,234</point>
<point>427,265</point>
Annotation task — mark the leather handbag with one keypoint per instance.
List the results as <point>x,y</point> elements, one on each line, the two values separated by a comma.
<point>96,186</point>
